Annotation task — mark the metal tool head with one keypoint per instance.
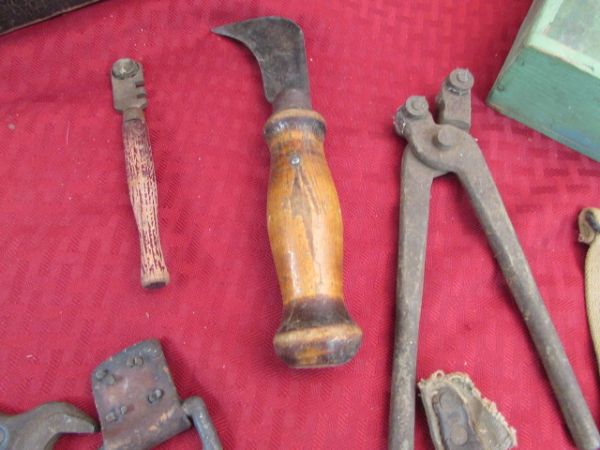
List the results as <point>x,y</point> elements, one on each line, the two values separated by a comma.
<point>278,45</point>
<point>41,427</point>
<point>459,418</point>
<point>127,78</point>
<point>136,399</point>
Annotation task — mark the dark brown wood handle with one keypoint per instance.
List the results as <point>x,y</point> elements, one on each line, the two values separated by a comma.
<point>141,180</point>
<point>305,230</point>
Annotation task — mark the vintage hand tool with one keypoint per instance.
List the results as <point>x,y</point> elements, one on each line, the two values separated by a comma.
<point>589,229</point>
<point>459,418</point>
<point>138,404</point>
<point>303,212</point>
<point>40,428</point>
<point>129,97</point>
<point>434,150</point>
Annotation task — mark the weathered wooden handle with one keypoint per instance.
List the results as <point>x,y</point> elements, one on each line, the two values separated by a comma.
<point>305,230</point>
<point>141,180</point>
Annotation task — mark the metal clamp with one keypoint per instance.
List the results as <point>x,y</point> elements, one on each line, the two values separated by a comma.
<point>138,404</point>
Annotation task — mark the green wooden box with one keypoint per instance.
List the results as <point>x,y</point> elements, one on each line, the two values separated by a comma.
<point>550,80</point>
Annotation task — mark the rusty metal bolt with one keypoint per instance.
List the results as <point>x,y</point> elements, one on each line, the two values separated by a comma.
<point>125,68</point>
<point>155,395</point>
<point>446,137</point>
<point>460,81</point>
<point>416,106</point>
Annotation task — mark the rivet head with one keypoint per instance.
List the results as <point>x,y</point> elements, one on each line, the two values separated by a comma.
<point>155,395</point>
<point>461,79</point>
<point>109,379</point>
<point>446,137</point>
<point>125,68</point>
<point>100,374</point>
<point>295,160</point>
<point>446,402</point>
<point>416,106</point>
<point>111,417</point>
<point>459,435</point>
<point>135,361</point>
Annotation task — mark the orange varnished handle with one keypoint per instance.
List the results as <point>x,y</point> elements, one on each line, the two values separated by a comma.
<point>141,180</point>
<point>305,230</point>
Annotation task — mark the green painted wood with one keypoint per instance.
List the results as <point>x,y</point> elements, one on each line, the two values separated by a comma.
<point>550,80</point>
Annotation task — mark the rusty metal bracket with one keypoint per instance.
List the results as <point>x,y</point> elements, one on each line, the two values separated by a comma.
<point>138,405</point>
<point>433,150</point>
<point>460,418</point>
<point>40,428</point>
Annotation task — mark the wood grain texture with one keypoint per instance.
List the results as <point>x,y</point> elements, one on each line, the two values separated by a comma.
<point>141,180</point>
<point>306,235</point>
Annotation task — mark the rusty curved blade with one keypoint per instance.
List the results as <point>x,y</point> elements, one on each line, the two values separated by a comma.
<point>278,45</point>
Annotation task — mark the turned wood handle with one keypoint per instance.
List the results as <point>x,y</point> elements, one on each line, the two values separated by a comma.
<point>141,180</point>
<point>305,231</point>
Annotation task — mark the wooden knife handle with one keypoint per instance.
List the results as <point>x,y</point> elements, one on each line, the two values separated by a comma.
<point>305,231</point>
<point>141,180</point>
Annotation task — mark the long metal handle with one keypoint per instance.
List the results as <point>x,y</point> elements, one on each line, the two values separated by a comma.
<point>484,195</point>
<point>415,193</point>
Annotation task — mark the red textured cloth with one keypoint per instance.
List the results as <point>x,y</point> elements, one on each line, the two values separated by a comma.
<point>70,290</point>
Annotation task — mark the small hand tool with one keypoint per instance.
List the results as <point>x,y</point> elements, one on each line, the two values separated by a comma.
<point>138,404</point>
<point>129,97</point>
<point>589,229</point>
<point>434,150</point>
<point>40,428</point>
<point>303,211</point>
<point>459,418</point>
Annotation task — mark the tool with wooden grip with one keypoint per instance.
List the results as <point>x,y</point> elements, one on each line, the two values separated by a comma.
<point>129,97</point>
<point>303,212</point>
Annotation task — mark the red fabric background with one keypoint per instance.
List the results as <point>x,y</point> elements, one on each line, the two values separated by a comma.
<point>69,262</point>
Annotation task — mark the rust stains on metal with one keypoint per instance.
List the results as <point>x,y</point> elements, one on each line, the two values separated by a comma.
<point>434,150</point>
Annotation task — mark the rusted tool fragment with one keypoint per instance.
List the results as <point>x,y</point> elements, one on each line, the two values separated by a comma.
<point>129,97</point>
<point>303,211</point>
<point>40,428</point>
<point>460,418</point>
<point>589,229</point>
<point>433,150</point>
<point>138,404</point>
